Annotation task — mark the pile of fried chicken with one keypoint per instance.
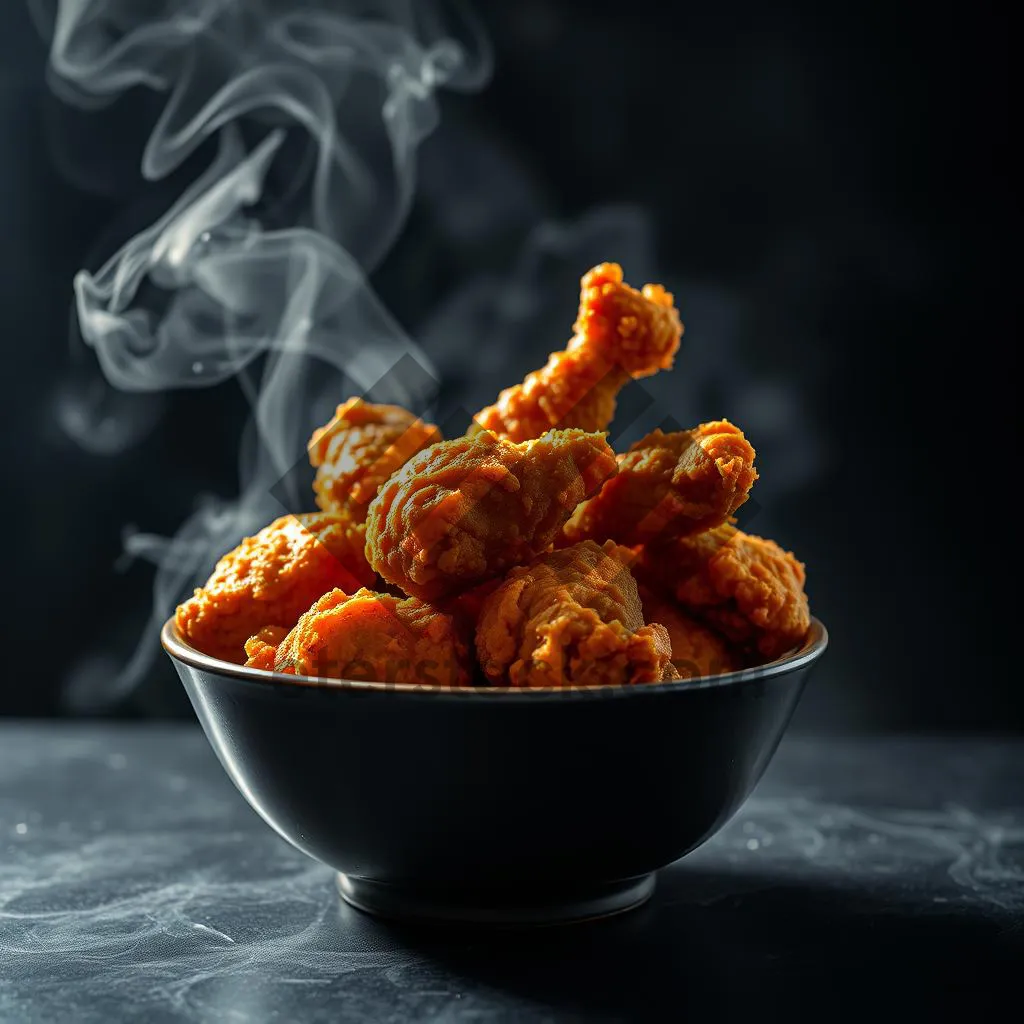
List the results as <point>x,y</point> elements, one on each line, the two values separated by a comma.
<point>526,553</point>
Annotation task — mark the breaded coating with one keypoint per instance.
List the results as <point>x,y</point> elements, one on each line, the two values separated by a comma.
<point>575,388</point>
<point>261,649</point>
<point>670,485</point>
<point>747,588</point>
<point>466,510</point>
<point>620,333</point>
<point>271,579</point>
<point>571,618</point>
<point>359,449</point>
<point>518,554</point>
<point>373,637</point>
<point>697,650</point>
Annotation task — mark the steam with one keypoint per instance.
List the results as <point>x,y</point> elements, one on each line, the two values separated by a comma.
<point>240,278</point>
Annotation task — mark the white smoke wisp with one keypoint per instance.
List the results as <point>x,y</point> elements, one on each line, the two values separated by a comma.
<point>217,283</point>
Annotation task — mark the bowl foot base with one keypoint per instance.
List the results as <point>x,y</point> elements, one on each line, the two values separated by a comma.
<point>525,906</point>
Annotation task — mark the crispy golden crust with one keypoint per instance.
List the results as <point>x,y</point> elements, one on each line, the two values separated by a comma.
<point>375,637</point>
<point>670,485</point>
<point>466,510</point>
<point>464,535</point>
<point>359,449</point>
<point>271,579</point>
<point>573,389</point>
<point>571,618</point>
<point>620,333</point>
<point>638,329</point>
<point>261,649</point>
<point>697,650</point>
<point>747,588</point>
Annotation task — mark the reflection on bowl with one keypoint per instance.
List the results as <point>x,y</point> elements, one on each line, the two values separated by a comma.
<point>487,804</point>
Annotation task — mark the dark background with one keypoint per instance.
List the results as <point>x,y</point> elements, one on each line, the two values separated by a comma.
<point>826,190</point>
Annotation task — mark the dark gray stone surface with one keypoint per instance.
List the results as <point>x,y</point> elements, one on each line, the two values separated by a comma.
<point>136,884</point>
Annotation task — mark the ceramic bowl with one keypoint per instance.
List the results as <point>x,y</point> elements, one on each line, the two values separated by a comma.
<point>494,805</point>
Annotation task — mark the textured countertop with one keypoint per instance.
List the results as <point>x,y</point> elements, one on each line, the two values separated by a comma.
<point>136,884</point>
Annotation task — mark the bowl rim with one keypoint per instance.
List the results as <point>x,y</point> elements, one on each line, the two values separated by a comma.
<point>809,651</point>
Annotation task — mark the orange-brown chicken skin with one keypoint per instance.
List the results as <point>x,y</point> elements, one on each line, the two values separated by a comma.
<point>697,650</point>
<point>466,510</point>
<point>513,554</point>
<point>571,618</point>
<point>620,333</point>
<point>271,579</point>
<point>261,649</point>
<point>375,637</point>
<point>670,485</point>
<point>359,449</point>
<point>747,588</point>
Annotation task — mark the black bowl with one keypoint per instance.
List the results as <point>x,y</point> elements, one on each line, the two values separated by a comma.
<point>493,804</point>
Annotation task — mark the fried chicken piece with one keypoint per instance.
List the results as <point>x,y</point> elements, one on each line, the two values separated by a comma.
<point>697,650</point>
<point>571,618</point>
<point>747,588</point>
<point>261,649</point>
<point>620,333</point>
<point>466,510</point>
<point>670,485</point>
<point>375,638</point>
<point>575,388</point>
<point>359,449</point>
<point>271,579</point>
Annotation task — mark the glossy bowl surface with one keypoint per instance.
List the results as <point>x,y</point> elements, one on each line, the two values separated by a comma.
<point>489,804</point>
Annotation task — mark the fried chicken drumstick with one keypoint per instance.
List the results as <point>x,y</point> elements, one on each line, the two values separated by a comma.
<point>670,485</point>
<point>620,333</point>
<point>528,536</point>
<point>745,587</point>
<point>368,637</point>
<point>465,510</point>
<point>359,449</point>
<point>271,579</point>
<point>571,618</point>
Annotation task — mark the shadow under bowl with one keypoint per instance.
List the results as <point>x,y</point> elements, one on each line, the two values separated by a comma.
<point>494,805</point>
